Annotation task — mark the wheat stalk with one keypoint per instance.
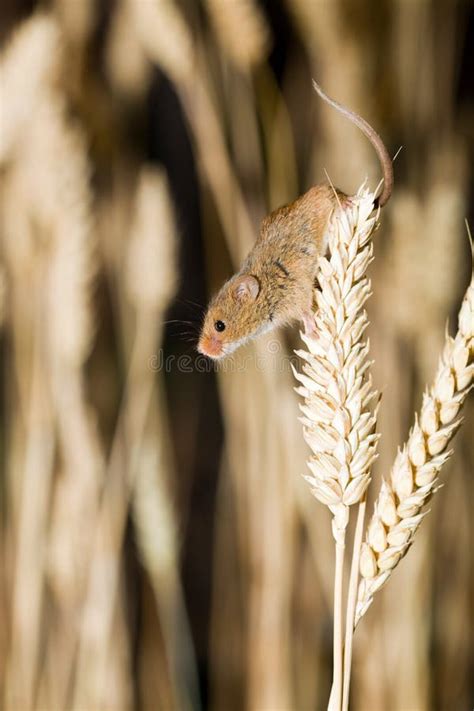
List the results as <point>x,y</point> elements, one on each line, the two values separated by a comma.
<point>338,420</point>
<point>76,20</point>
<point>48,247</point>
<point>3,296</point>
<point>399,508</point>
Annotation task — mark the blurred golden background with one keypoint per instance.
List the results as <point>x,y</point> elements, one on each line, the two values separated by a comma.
<point>159,548</point>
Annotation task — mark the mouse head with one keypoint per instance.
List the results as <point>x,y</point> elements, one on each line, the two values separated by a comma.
<point>232,317</point>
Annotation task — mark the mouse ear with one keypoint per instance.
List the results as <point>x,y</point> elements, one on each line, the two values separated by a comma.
<point>246,287</point>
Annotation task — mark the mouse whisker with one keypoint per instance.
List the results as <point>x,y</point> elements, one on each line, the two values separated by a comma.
<point>189,302</point>
<point>176,320</point>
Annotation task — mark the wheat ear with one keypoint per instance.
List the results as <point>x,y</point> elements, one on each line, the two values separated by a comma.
<point>338,418</point>
<point>414,477</point>
<point>28,65</point>
<point>151,281</point>
<point>251,44</point>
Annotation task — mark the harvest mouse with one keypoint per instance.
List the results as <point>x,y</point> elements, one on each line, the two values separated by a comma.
<point>274,286</point>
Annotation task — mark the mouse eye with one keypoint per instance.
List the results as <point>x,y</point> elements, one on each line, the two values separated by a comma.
<point>219,325</point>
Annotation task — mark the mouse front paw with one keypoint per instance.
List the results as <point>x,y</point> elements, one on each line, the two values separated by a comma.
<point>309,324</point>
<point>347,202</point>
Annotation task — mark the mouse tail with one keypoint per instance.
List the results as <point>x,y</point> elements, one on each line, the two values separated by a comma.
<point>374,138</point>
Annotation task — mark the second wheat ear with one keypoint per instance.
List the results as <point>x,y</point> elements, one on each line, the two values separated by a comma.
<point>339,421</point>
<point>400,506</point>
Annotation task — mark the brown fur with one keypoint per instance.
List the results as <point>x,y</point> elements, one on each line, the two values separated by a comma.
<point>284,262</point>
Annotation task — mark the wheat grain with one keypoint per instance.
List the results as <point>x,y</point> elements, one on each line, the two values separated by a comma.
<point>399,508</point>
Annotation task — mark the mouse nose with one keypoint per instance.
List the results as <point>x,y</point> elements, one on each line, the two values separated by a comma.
<point>210,346</point>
